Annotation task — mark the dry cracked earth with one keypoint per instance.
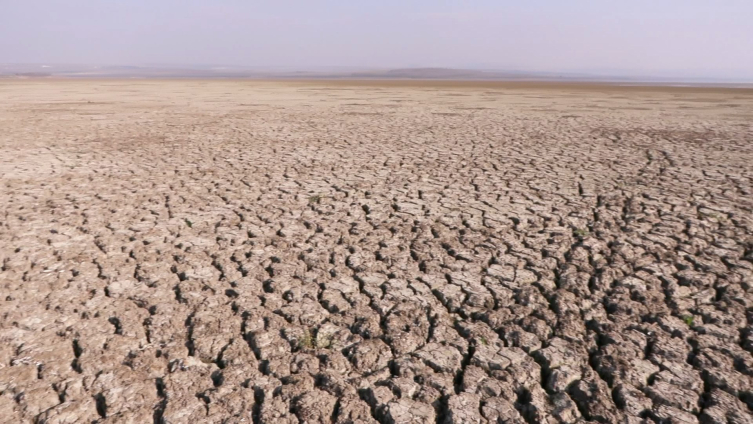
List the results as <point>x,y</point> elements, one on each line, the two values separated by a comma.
<point>343,252</point>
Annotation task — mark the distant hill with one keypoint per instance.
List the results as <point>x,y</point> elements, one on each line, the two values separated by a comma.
<point>441,73</point>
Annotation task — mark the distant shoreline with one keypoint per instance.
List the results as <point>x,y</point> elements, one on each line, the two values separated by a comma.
<point>510,83</point>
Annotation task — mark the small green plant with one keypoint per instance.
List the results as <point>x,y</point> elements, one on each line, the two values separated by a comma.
<point>309,341</point>
<point>323,341</point>
<point>581,232</point>
<point>688,320</point>
<point>306,341</point>
<point>189,223</point>
<point>483,341</point>
<point>317,198</point>
<point>718,217</point>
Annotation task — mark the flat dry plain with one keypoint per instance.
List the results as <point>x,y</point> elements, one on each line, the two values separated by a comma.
<point>361,252</point>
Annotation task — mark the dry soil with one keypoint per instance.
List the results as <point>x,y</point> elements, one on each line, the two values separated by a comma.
<point>362,252</point>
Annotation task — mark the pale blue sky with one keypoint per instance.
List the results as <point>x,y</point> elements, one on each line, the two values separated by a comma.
<point>681,37</point>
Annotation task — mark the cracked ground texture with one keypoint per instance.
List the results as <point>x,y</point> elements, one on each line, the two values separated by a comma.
<point>345,252</point>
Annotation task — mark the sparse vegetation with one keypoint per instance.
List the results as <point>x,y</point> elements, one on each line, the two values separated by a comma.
<point>718,217</point>
<point>688,320</point>
<point>306,341</point>
<point>310,341</point>
<point>581,232</point>
<point>317,198</point>
<point>189,223</point>
<point>323,341</point>
<point>483,340</point>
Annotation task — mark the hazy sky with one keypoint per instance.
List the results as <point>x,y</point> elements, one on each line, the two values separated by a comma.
<point>681,37</point>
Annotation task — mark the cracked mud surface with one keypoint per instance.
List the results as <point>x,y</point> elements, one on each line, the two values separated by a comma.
<point>227,252</point>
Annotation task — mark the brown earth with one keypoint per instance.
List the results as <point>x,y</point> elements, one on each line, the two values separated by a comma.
<point>347,252</point>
